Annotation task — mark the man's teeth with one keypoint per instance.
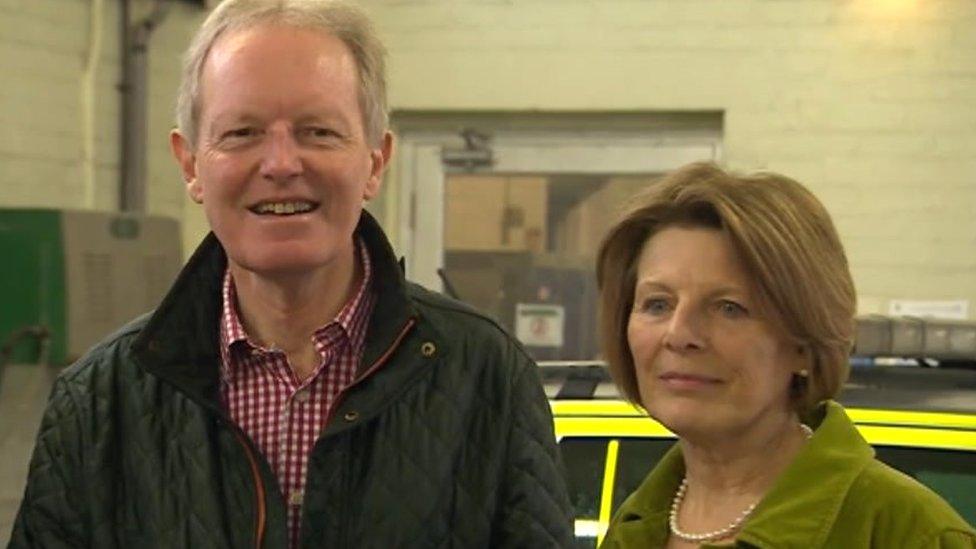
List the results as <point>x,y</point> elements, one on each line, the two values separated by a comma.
<point>283,208</point>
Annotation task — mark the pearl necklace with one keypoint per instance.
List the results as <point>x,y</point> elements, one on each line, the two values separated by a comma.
<point>714,535</point>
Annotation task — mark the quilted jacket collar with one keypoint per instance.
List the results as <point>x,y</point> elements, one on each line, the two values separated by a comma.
<point>179,342</point>
<point>798,511</point>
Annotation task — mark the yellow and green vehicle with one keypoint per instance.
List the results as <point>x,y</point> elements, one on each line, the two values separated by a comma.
<point>921,421</point>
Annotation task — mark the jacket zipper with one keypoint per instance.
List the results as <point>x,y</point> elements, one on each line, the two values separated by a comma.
<point>259,494</point>
<point>260,510</point>
<point>341,396</point>
<point>372,368</point>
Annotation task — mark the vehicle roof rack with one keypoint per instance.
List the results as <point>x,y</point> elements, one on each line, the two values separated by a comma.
<point>578,379</point>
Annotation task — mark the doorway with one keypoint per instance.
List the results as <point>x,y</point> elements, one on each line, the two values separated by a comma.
<point>505,212</point>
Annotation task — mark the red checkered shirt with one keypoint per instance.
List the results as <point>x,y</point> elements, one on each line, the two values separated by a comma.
<point>282,415</point>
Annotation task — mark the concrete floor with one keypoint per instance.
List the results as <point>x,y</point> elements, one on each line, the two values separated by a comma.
<point>24,390</point>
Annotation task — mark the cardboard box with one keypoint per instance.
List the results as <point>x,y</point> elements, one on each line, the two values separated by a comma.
<point>495,213</point>
<point>588,221</point>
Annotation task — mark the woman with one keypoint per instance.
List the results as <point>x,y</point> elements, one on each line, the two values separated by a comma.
<point>727,312</point>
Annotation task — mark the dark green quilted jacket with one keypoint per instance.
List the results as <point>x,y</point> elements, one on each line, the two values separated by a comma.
<point>445,438</point>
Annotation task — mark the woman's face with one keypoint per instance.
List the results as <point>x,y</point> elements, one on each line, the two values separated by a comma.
<point>708,362</point>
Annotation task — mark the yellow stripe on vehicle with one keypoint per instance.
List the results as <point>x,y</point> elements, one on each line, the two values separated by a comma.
<point>609,427</point>
<point>594,408</point>
<point>918,437</point>
<point>606,497</point>
<point>921,419</point>
<point>891,435</point>
<point>613,409</point>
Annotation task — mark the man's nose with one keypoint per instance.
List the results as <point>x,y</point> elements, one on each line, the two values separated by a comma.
<point>282,160</point>
<point>686,330</point>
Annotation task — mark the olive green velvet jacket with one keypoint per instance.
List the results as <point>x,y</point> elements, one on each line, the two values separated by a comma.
<point>834,494</point>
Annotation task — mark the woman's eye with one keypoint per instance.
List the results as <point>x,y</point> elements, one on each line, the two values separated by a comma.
<point>731,309</point>
<point>654,306</point>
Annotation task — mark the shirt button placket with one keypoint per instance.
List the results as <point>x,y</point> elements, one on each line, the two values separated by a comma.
<point>283,431</point>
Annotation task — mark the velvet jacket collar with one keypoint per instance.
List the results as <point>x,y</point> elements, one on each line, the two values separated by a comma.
<point>798,511</point>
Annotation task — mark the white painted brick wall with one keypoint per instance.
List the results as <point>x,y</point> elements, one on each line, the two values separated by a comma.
<point>43,45</point>
<point>42,54</point>
<point>875,111</point>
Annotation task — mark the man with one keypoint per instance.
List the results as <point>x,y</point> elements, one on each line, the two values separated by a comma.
<point>292,389</point>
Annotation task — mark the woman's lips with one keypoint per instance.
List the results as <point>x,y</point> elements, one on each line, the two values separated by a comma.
<point>688,381</point>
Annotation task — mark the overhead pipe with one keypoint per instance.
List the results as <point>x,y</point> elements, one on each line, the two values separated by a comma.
<point>135,92</point>
<point>89,86</point>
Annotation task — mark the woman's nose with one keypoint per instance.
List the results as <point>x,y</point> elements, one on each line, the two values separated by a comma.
<point>685,331</point>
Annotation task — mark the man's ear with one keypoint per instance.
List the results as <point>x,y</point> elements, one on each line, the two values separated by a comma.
<point>380,159</point>
<point>187,159</point>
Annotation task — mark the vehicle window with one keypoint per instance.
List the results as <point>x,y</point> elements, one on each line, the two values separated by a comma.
<point>635,459</point>
<point>584,460</point>
<point>951,474</point>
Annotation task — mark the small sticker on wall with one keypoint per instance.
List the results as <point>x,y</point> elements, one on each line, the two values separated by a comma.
<point>949,310</point>
<point>540,324</point>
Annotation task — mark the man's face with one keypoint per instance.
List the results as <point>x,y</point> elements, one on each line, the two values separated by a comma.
<point>282,164</point>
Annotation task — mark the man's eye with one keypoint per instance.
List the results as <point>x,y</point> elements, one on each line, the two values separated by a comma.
<point>319,132</point>
<point>731,309</point>
<point>239,132</point>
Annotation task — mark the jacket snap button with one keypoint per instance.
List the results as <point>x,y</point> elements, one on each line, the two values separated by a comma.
<point>351,416</point>
<point>428,349</point>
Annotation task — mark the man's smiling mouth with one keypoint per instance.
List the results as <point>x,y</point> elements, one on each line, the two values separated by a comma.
<point>283,208</point>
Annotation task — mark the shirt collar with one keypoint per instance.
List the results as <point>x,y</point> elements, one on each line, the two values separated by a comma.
<point>796,512</point>
<point>348,319</point>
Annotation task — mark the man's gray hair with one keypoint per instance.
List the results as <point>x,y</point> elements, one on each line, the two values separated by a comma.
<point>335,17</point>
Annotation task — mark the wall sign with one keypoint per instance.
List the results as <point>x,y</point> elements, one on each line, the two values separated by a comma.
<point>540,324</point>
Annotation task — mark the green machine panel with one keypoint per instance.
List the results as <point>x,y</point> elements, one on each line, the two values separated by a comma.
<point>32,292</point>
<point>80,275</point>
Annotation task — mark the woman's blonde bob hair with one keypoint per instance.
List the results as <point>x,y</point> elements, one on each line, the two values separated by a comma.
<point>787,243</point>
<point>337,18</point>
